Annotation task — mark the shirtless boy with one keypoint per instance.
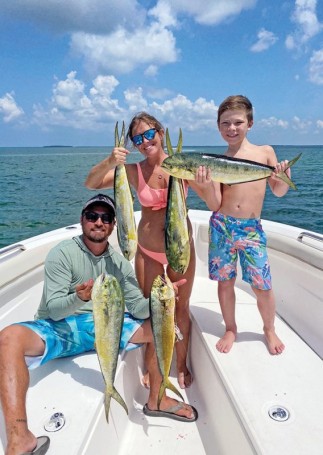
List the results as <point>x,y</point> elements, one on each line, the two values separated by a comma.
<point>235,224</point>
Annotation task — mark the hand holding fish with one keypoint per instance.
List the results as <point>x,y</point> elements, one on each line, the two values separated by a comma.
<point>118,156</point>
<point>281,167</point>
<point>84,290</point>
<point>278,186</point>
<point>203,176</point>
<point>178,284</point>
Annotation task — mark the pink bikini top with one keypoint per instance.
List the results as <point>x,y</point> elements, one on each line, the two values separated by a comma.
<point>151,197</point>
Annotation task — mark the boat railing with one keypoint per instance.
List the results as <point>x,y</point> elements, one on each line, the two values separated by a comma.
<point>11,250</point>
<point>315,237</point>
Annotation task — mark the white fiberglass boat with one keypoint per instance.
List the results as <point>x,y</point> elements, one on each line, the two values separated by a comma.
<point>249,402</point>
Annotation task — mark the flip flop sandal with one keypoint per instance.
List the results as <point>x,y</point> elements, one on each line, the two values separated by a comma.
<point>41,447</point>
<point>170,413</point>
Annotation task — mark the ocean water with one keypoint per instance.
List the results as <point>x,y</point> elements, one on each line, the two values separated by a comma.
<point>43,188</point>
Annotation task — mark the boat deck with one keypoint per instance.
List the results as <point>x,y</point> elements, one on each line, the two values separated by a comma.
<point>245,383</point>
<point>232,392</point>
<point>255,381</point>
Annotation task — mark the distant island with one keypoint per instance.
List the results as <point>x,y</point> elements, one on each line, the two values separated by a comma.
<point>47,146</point>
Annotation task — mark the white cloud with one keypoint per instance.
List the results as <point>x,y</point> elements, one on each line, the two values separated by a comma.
<point>266,39</point>
<point>164,14</point>
<point>307,24</point>
<point>319,124</point>
<point>9,108</point>
<point>273,122</point>
<point>91,16</point>
<point>121,35</point>
<point>135,100</point>
<point>151,71</point>
<point>115,36</point>
<point>122,51</point>
<point>316,67</point>
<point>301,126</point>
<point>71,106</point>
<point>212,12</point>
<point>190,115</point>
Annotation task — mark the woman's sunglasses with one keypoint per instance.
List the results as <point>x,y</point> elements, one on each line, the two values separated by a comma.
<point>106,218</point>
<point>149,135</point>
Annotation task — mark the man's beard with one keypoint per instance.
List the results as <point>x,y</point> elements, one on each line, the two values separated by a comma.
<point>95,239</point>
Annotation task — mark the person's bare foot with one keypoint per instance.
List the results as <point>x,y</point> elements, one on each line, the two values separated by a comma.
<point>28,444</point>
<point>275,345</point>
<point>225,343</point>
<point>184,379</point>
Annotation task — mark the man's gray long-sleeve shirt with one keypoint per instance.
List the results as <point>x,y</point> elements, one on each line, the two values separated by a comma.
<point>70,263</point>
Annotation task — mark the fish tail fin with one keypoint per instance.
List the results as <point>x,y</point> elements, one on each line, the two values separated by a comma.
<point>284,177</point>
<point>169,144</point>
<point>287,180</point>
<point>161,393</point>
<point>180,142</point>
<point>116,395</point>
<point>116,135</point>
<point>167,384</point>
<point>107,400</point>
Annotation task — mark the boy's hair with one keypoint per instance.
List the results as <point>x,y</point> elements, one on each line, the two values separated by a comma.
<point>236,102</point>
<point>143,117</point>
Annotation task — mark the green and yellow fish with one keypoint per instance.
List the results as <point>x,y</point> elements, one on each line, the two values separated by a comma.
<point>177,242</point>
<point>224,169</point>
<point>108,314</point>
<point>126,225</point>
<point>162,313</point>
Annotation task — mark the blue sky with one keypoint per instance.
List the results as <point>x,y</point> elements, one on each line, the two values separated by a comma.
<point>70,69</point>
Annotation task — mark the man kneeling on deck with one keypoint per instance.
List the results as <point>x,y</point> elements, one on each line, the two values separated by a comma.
<point>70,270</point>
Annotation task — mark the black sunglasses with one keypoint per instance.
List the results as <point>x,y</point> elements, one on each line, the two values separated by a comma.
<point>149,135</point>
<point>106,218</point>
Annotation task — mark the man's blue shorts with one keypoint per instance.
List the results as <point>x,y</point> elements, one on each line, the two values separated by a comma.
<point>74,335</point>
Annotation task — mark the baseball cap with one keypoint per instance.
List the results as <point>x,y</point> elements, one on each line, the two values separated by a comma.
<point>100,199</point>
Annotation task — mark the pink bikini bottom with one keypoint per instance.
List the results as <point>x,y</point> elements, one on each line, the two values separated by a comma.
<point>158,257</point>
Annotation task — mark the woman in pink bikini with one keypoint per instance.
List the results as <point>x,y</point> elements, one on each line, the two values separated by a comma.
<point>151,184</point>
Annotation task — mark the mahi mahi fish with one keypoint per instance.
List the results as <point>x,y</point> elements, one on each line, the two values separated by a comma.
<point>108,314</point>
<point>162,313</point>
<point>177,242</point>
<point>224,169</point>
<point>126,225</point>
